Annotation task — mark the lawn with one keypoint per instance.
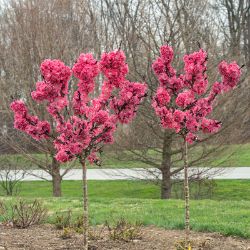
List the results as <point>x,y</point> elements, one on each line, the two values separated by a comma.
<point>227,212</point>
<point>231,156</point>
<point>237,190</point>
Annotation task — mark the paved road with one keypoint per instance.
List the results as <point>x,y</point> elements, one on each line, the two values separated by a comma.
<point>126,174</point>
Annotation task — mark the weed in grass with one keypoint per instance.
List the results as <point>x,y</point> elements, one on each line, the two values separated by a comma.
<point>180,245</point>
<point>63,220</point>
<point>96,234</point>
<point>4,213</point>
<point>67,233</point>
<point>124,231</point>
<point>2,208</point>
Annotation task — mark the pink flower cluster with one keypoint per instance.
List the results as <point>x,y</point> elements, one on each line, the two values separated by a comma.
<point>179,100</point>
<point>54,87</point>
<point>185,98</point>
<point>76,135</point>
<point>126,104</point>
<point>92,122</point>
<point>28,123</point>
<point>195,72</point>
<point>230,74</point>
<point>114,67</point>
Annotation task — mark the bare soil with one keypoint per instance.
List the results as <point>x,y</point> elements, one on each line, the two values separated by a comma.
<point>152,238</point>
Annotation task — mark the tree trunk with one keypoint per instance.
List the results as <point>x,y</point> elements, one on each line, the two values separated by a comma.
<point>186,192</point>
<point>56,178</point>
<point>248,39</point>
<point>85,206</point>
<point>166,165</point>
<point>166,184</point>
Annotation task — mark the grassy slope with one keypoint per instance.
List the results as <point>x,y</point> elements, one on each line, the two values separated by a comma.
<point>230,216</point>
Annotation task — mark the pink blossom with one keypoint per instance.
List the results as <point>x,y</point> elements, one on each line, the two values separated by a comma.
<point>217,88</point>
<point>84,123</point>
<point>158,66</point>
<point>202,108</point>
<point>130,96</point>
<point>181,101</point>
<point>63,156</point>
<point>210,126</point>
<point>92,158</point>
<point>55,72</point>
<point>175,84</point>
<point>200,86</point>
<point>56,76</point>
<point>55,107</point>
<point>86,67</point>
<point>192,124</point>
<point>19,107</point>
<point>114,67</point>
<point>190,138</point>
<point>167,53</point>
<point>185,98</point>
<point>179,116</point>
<point>100,117</point>
<point>195,71</point>
<point>167,119</point>
<point>162,97</point>
<point>28,123</point>
<point>230,74</point>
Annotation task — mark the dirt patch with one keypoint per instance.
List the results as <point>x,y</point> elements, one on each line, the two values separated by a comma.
<point>152,238</point>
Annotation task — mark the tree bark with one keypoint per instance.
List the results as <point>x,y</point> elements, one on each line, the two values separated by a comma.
<point>186,192</point>
<point>85,206</point>
<point>56,178</point>
<point>248,39</point>
<point>165,166</point>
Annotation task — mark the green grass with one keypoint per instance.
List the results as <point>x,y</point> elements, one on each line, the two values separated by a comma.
<point>232,156</point>
<point>226,217</point>
<point>227,212</point>
<point>108,161</point>
<point>238,190</point>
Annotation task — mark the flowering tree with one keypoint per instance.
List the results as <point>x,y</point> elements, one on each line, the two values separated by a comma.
<point>84,123</point>
<point>183,102</point>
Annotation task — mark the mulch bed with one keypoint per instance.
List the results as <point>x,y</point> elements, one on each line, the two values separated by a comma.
<point>47,237</point>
